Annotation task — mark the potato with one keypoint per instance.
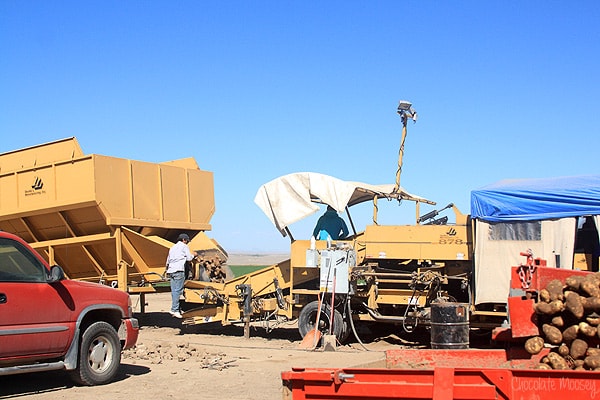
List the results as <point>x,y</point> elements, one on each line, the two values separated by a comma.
<point>543,308</point>
<point>578,363</point>
<point>573,304</point>
<point>587,329</point>
<point>563,350</point>
<point>543,366</point>
<point>593,319</point>
<point>558,321</point>
<point>557,306</point>
<point>553,334</point>
<point>557,362</point>
<point>574,282</point>
<point>544,295</point>
<point>534,345</point>
<point>545,360</point>
<point>554,307</point>
<point>593,351</point>
<point>591,304</point>
<point>555,288</point>
<point>570,333</point>
<point>592,362</point>
<point>578,348</point>
<point>590,286</point>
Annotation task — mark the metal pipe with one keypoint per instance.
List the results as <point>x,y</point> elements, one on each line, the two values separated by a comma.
<point>387,274</point>
<point>350,220</point>
<point>400,154</point>
<point>381,318</point>
<point>246,292</point>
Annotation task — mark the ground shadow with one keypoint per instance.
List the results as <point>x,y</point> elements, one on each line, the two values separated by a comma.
<point>158,320</point>
<point>23,385</point>
<point>289,333</point>
<point>15,386</point>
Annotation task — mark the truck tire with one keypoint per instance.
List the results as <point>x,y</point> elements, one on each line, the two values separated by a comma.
<point>99,355</point>
<point>308,318</point>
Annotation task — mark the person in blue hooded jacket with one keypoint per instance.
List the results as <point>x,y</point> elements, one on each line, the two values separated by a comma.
<point>330,223</point>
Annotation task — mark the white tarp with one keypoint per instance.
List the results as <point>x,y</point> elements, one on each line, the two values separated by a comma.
<point>494,257</point>
<point>293,197</point>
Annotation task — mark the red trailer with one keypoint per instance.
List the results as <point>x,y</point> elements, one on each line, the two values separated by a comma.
<point>446,374</point>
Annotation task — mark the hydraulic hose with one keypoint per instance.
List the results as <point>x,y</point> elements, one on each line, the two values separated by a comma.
<point>352,325</point>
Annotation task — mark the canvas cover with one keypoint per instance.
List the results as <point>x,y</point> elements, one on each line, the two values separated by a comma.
<point>537,199</point>
<point>293,197</point>
<point>554,202</point>
<point>494,258</point>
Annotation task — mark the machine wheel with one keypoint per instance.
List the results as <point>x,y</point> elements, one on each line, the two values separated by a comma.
<point>346,328</point>
<point>308,318</point>
<point>99,355</point>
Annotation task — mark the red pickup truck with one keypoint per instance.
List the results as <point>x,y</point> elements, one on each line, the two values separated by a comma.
<point>49,322</point>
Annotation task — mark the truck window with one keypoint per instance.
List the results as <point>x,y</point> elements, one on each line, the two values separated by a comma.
<point>19,265</point>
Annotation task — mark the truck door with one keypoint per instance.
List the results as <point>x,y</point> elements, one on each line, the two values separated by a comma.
<point>34,314</point>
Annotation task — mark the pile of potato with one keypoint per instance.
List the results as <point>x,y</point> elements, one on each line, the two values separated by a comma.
<point>212,270</point>
<point>569,316</point>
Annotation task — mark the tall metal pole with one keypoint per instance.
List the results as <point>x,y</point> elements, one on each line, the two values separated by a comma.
<point>401,152</point>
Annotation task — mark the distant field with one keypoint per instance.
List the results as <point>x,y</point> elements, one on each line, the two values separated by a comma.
<point>244,263</point>
<point>239,270</point>
<point>256,258</point>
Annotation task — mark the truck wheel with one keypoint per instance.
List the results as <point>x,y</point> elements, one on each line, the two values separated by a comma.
<point>99,355</point>
<point>308,318</point>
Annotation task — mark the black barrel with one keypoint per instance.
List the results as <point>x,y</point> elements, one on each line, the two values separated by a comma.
<point>449,325</point>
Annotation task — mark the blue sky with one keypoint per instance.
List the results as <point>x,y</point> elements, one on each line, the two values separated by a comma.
<point>258,89</point>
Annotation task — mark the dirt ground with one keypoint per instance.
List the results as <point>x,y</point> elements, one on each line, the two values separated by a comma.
<point>198,362</point>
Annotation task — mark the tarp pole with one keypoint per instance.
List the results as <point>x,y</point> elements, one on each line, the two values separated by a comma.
<point>351,222</point>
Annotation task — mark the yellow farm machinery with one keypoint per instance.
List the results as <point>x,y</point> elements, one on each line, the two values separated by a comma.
<point>106,219</point>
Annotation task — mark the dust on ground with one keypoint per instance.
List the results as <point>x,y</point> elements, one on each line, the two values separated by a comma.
<point>209,361</point>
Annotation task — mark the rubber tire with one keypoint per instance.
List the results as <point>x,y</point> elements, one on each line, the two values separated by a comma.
<point>308,316</point>
<point>346,328</point>
<point>101,341</point>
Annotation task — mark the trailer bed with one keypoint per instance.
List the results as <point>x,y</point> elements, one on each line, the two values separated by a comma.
<point>444,375</point>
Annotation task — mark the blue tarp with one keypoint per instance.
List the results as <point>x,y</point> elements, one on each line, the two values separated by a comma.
<point>537,199</point>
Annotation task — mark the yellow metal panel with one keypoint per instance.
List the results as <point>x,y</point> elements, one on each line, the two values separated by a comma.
<point>189,163</point>
<point>55,186</point>
<point>86,220</point>
<point>8,188</point>
<point>174,196</point>
<point>429,242</point>
<point>150,252</point>
<point>146,191</point>
<point>17,227</point>
<point>113,186</point>
<point>75,181</point>
<point>401,297</point>
<point>202,204</point>
<point>36,188</point>
<point>42,154</point>
<point>298,251</point>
